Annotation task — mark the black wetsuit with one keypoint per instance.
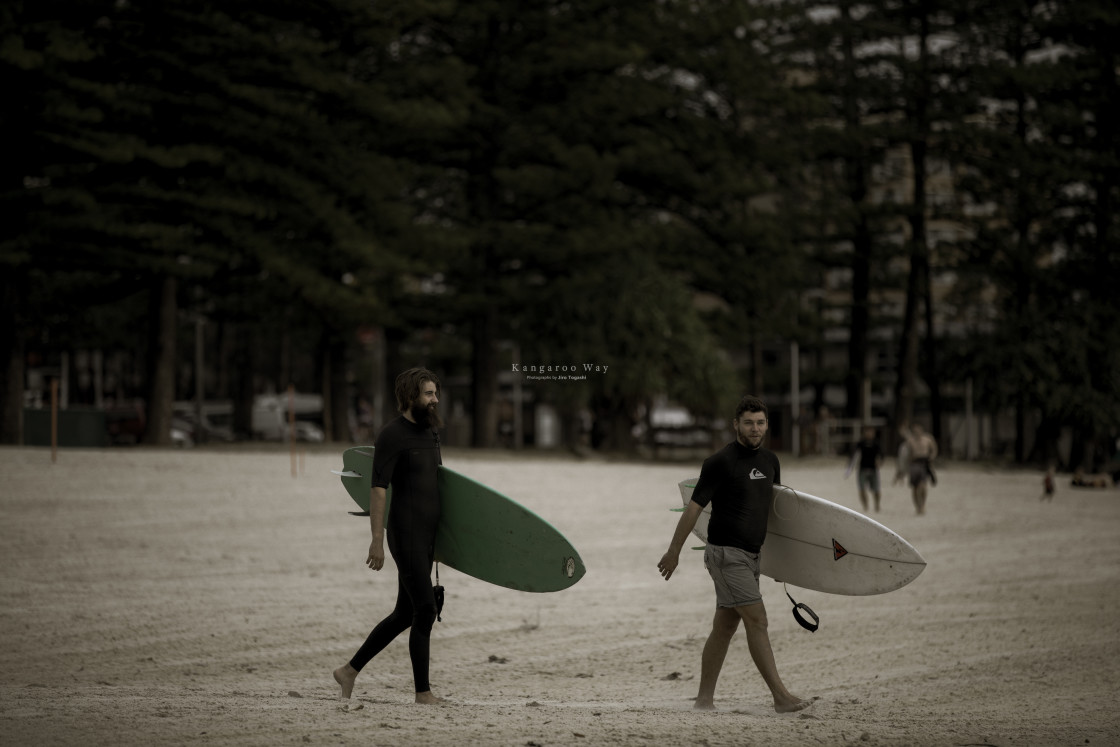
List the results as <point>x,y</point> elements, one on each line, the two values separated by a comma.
<point>405,457</point>
<point>739,483</point>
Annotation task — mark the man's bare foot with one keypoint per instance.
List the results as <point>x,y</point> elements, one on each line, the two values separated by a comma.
<point>792,705</point>
<point>345,676</point>
<point>704,704</point>
<point>426,698</point>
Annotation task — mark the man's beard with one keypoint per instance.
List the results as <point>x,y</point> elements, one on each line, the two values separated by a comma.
<point>746,441</point>
<point>426,416</point>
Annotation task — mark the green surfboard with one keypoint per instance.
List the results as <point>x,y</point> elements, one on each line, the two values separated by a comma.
<point>481,532</point>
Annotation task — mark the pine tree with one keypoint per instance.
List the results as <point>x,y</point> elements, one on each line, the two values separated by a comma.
<point>848,142</point>
<point>234,150</point>
<point>1042,175</point>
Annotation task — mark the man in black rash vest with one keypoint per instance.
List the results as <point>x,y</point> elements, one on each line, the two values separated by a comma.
<point>870,457</point>
<point>738,482</point>
<point>406,456</point>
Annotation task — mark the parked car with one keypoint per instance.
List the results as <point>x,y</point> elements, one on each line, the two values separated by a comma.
<point>216,424</point>
<point>308,431</point>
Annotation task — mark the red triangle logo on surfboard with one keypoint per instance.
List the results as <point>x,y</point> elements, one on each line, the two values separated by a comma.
<point>838,550</point>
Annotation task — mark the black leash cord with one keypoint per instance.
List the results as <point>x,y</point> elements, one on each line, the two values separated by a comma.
<point>797,607</point>
<point>439,596</point>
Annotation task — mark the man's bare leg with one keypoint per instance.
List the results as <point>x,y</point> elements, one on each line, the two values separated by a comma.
<point>345,676</point>
<point>427,698</point>
<point>724,625</point>
<point>920,498</point>
<point>758,640</point>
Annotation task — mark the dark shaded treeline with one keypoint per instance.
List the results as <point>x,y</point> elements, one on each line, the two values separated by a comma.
<point>570,177</point>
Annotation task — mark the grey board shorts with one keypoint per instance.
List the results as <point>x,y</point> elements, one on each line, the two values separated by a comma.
<point>869,480</point>
<point>735,574</point>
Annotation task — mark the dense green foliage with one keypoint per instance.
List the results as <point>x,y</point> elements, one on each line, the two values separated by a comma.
<point>569,179</point>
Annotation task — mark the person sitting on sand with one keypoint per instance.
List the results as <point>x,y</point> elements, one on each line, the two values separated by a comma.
<point>738,481</point>
<point>1081,480</point>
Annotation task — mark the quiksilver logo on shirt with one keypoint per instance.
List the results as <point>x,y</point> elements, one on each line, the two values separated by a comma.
<point>756,475</point>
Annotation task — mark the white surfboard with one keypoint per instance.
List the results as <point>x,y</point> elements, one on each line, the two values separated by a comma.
<point>819,545</point>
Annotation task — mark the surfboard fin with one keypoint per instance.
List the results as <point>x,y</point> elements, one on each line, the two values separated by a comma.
<point>358,513</point>
<point>346,473</point>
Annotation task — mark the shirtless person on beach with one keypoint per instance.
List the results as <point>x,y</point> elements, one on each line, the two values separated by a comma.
<point>738,482</point>
<point>923,450</point>
<point>406,456</point>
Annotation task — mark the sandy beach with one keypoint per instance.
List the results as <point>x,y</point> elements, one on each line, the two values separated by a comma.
<point>204,596</point>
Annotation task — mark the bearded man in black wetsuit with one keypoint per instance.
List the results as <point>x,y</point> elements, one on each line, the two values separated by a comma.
<point>406,456</point>
<point>738,482</point>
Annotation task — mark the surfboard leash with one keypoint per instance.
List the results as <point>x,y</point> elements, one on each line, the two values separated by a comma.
<point>797,607</point>
<point>439,595</point>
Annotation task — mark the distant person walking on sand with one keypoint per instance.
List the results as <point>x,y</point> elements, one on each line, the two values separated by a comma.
<point>406,456</point>
<point>738,482</point>
<point>1048,485</point>
<point>902,462</point>
<point>923,450</point>
<point>870,457</point>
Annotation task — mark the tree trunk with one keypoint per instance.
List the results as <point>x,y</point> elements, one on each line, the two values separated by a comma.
<point>613,426</point>
<point>756,367</point>
<point>336,395</point>
<point>1045,451</point>
<point>394,366</point>
<point>244,368</point>
<point>11,364</point>
<point>918,280</point>
<point>931,376</point>
<point>862,240</point>
<point>860,317</point>
<point>908,347</point>
<point>163,324</point>
<point>484,381</point>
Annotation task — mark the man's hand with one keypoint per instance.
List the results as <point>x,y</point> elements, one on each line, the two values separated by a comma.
<point>377,500</point>
<point>376,558</point>
<point>668,563</point>
<point>672,556</point>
